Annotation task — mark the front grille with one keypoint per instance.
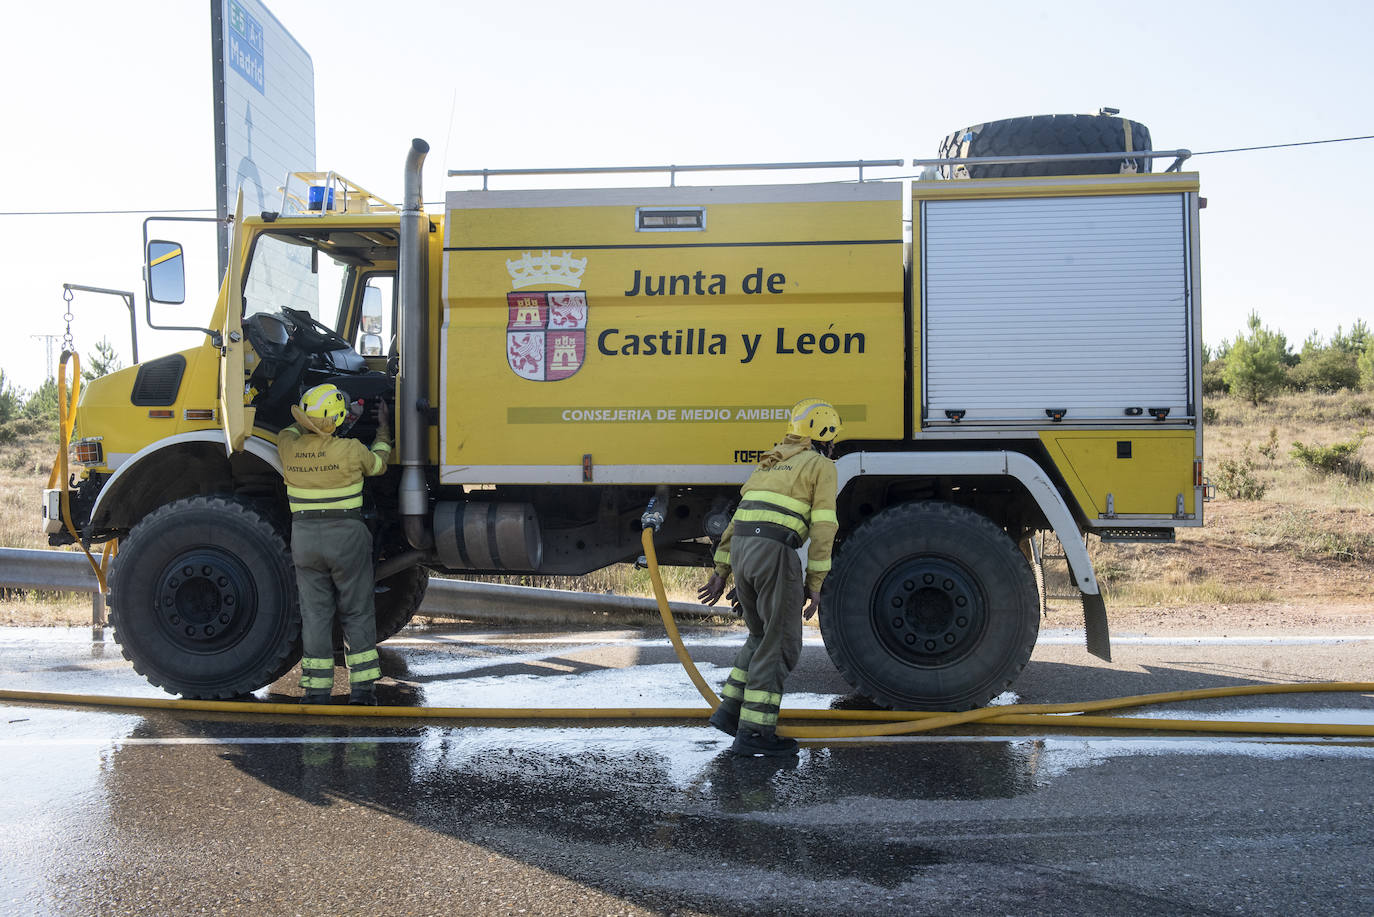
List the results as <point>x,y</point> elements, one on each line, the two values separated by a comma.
<point>159,381</point>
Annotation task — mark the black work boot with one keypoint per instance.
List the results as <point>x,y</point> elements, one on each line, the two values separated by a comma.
<point>316,697</point>
<point>727,721</point>
<point>363,696</point>
<point>752,741</point>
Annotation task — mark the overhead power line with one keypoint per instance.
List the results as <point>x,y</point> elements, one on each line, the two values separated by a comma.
<point>101,213</point>
<point>88,213</point>
<point>95,213</point>
<point>1279,146</point>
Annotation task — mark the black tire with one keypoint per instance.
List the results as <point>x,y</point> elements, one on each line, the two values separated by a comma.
<point>929,606</point>
<point>203,599</point>
<point>398,599</point>
<point>1043,135</point>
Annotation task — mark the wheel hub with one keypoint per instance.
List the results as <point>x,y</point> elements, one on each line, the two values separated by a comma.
<point>928,610</point>
<point>205,600</point>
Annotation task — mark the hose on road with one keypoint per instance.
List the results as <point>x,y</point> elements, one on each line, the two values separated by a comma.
<point>1051,715</point>
<point>865,723</point>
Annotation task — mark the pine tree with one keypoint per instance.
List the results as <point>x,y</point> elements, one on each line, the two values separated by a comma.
<point>1255,362</point>
<point>11,400</point>
<point>1366,364</point>
<point>101,362</point>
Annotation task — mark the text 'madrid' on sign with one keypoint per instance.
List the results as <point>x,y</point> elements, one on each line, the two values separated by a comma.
<point>244,52</point>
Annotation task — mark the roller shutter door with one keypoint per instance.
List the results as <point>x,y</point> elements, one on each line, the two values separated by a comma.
<point>1078,303</point>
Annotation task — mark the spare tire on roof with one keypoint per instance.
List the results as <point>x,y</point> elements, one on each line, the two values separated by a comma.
<point>1047,134</point>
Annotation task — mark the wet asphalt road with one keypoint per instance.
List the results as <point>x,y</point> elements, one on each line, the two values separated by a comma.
<point>159,812</point>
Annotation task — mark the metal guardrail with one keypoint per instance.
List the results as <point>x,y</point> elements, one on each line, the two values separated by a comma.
<point>54,571</point>
<point>65,571</point>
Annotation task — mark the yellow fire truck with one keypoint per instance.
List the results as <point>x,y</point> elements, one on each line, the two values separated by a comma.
<point>1027,359</point>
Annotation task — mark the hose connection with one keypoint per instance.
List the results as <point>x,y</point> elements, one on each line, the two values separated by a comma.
<point>655,514</point>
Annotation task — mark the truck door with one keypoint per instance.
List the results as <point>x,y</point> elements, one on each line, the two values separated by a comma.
<point>234,418</point>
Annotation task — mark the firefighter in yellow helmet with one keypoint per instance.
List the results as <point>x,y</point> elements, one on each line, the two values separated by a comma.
<point>789,498</point>
<point>330,544</point>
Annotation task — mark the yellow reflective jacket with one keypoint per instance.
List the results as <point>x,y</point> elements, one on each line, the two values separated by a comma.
<point>325,472</point>
<point>793,487</point>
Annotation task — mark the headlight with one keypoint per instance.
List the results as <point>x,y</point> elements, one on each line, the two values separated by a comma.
<point>88,451</point>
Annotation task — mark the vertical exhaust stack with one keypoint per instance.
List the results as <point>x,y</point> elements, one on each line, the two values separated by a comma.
<point>412,414</point>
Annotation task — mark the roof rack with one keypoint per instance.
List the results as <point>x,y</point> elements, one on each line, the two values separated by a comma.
<point>1179,157</point>
<point>672,171</point>
<point>328,192</point>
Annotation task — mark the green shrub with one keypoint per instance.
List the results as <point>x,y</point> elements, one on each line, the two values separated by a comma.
<point>1237,480</point>
<point>1210,414</point>
<point>1328,369</point>
<point>1270,450</point>
<point>1337,458</point>
<point>1214,378</point>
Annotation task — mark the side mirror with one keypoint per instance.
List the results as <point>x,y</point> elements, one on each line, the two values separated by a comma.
<point>371,345</point>
<point>372,312</point>
<point>165,273</point>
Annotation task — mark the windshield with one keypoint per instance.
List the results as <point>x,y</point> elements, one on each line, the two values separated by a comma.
<point>280,274</point>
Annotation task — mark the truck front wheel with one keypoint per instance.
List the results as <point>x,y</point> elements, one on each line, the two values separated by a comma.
<point>203,599</point>
<point>929,606</point>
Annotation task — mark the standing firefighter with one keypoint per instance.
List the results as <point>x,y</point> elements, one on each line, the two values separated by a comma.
<point>790,496</point>
<point>330,544</point>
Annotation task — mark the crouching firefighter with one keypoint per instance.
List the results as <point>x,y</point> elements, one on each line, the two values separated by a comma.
<point>330,544</point>
<point>788,498</point>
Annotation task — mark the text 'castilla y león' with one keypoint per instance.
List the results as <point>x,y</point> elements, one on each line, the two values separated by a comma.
<point>698,341</point>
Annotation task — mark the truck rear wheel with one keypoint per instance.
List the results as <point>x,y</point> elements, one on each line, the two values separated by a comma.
<point>203,599</point>
<point>929,606</point>
<point>1039,135</point>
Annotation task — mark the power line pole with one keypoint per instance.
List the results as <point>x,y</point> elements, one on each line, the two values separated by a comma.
<point>50,339</point>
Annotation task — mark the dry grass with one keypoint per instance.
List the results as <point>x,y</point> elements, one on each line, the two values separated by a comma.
<point>1305,515</point>
<point>1270,431</point>
<point>1310,540</point>
<point>28,608</point>
<point>24,467</point>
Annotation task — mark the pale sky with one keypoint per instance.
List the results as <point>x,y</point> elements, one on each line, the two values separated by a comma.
<point>107,105</point>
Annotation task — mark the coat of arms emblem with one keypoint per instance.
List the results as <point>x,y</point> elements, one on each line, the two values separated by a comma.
<point>546,330</point>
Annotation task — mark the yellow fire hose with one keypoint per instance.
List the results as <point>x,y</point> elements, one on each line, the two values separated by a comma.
<point>873,722</point>
<point>908,722</point>
<point>58,477</point>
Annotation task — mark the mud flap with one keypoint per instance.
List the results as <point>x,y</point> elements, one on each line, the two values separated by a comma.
<point>1095,626</point>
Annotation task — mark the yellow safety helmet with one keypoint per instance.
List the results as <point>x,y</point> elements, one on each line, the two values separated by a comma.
<point>815,419</point>
<point>324,406</point>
